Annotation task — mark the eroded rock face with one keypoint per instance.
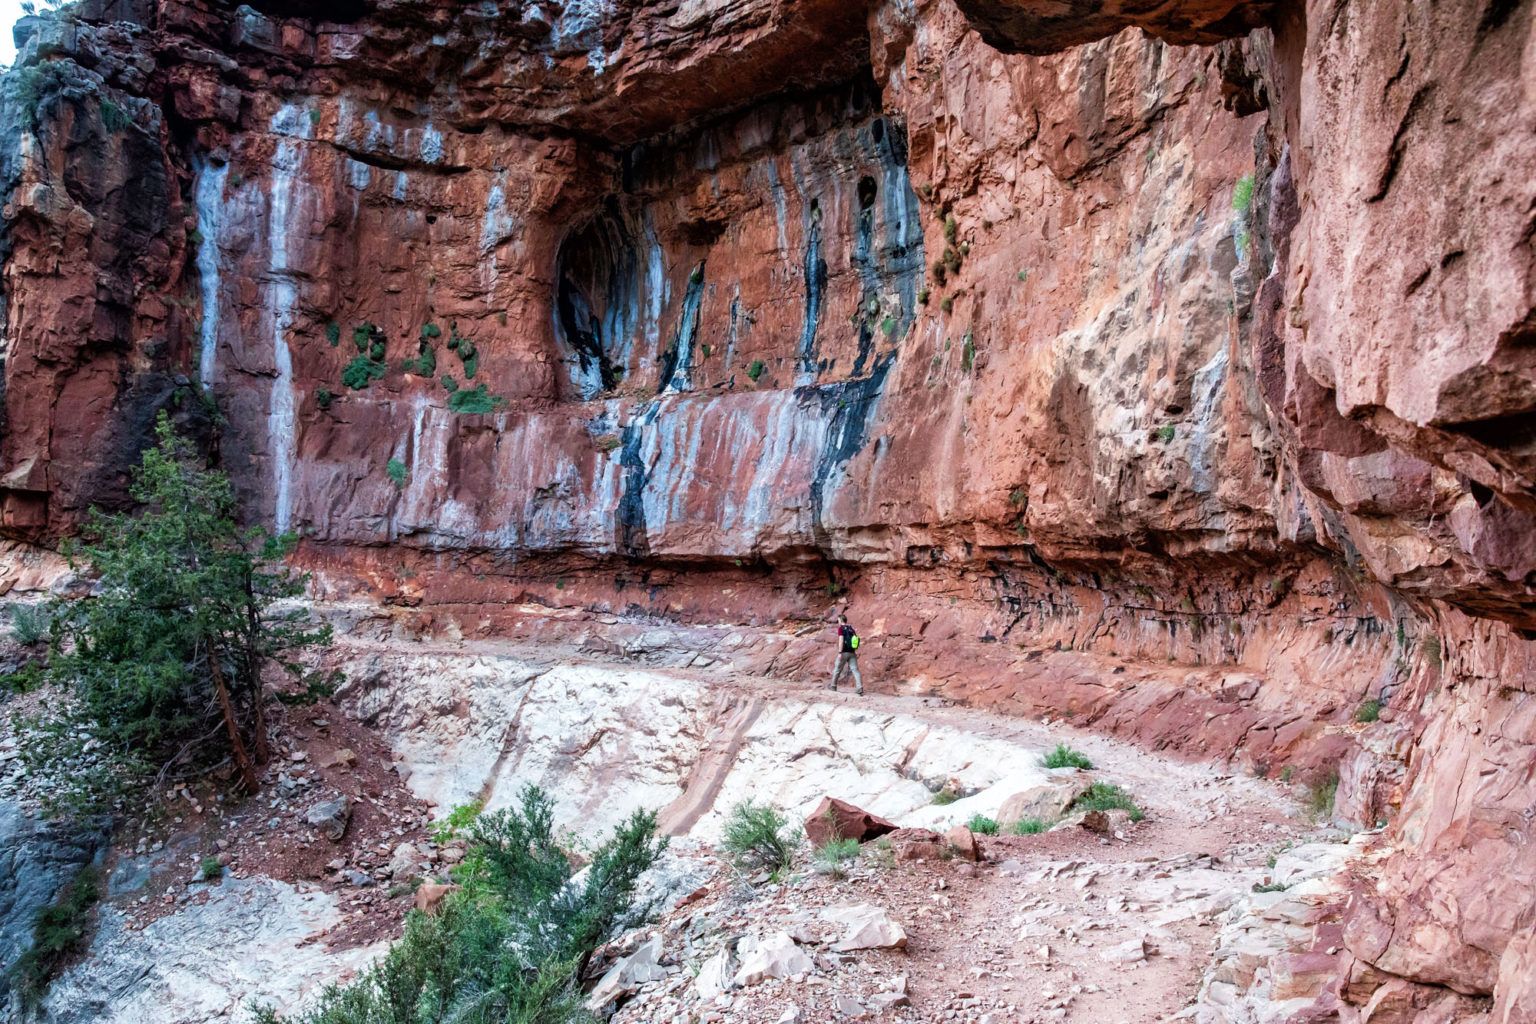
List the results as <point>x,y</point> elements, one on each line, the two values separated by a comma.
<point>1217,354</point>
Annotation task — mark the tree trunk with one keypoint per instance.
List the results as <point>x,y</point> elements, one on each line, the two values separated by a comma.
<point>236,741</point>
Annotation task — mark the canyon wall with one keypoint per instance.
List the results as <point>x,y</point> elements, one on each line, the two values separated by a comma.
<point>1165,364</point>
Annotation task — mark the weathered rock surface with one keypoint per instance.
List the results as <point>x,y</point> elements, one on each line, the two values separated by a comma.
<point>252,939</point>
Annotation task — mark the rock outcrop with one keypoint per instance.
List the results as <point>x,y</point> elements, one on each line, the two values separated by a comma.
<point>1045,334</point>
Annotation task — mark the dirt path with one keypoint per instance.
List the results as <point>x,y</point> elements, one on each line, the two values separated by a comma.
<point>1067,925</point>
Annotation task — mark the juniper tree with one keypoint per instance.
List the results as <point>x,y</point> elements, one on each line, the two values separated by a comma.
<point>166,659</point>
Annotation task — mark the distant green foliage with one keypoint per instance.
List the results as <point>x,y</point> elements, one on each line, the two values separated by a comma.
<point>430,330</point>
<point>324,397</point>
<point>759,838</point>
<point>475,400</point>
<point>424,364</point>
<point>922,296</point>
<point>951,228</point>
<point>1028,827</point>
<point>449,384</point>
<point>210,868</point>
<point>1368,711</point>
<point>361,372</point>
<point>113,117</point>
<point>333,333</point>
<point>982,825</point>
<point>1242,194</point>
<point>968,352</point>
<point>1164,433</point>
<point>947,303</point>
<point>314,116</point>
<point>888,325</point>
<point>58,931</point>
<point>510,946</point>
<point>30,623</point>
<point>755,369</point>
<point>362,335</point>
<point>1103,796</point>
<point>1064,756</point>
<point>396,471</point>
<point>1320,796</point>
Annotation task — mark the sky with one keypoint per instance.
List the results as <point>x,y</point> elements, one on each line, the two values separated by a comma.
<point>10,10</point>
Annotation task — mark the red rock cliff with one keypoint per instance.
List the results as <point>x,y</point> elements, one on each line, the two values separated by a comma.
<point>1193,332</point>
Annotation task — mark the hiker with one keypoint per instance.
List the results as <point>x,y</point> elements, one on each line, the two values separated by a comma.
<point>847,655</point>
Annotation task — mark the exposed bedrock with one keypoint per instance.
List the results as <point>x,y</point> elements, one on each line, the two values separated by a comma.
<point>1031,331</point>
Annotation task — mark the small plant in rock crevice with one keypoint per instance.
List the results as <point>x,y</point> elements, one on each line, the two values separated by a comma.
<point>397,472</point>
<point>1028,827</point>
<point>1368,711</point>
<point>755,370</point>
<point>1321,794</point>
<point>945,797</point>
<point>210,869</point>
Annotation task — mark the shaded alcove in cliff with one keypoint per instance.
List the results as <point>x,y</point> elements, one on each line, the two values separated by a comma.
<point>598,294</point>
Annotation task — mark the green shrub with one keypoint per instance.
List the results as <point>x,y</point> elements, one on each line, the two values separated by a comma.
<point>113,117</point>
<point>324,397</point>
<point>1368,711</point>
<point>449,384</point>
<point>922,296</point>
<point>362,335</point>
<point>947,303</point>
<point>511,945</point>
<point>755,369</point>
<point>1321,794</point>
<point>361,372</point>
<point>1242,194</point>
<point>210,868</point>
<point>58,931</point>
<point>458,821</point>
<point>430,330</point>
<point>1064,756</point>
<point>888,325</point>
<point>30,623</point>
<point>968,352</point>
<point>333,333</point>
<point>1104,796</point>
<point>833,856</point>
<point>1164,433</point>
<point>475,400</point>
<point>982,825</point>
<point>1028,827</point>
<point>424,364</point>
<point>397,472</point>
<point>757,837</point>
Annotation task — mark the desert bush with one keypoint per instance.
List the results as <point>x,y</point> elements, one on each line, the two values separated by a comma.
<point>1063,756</point>
<point>1028,827</point>
<point>1368,711</point>
<point>31,624</point>
<point>1104,796</point>
<point>982,825</point>
<point>833,856</point>
<point>757,837</point>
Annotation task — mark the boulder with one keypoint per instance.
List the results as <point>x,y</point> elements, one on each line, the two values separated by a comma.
<point>1129,952</point>
<point>331,817</point>
<point>865,926</point>
<point>628,974</point>
<point>714,977</point>
<point>915,844</point>
<point>1047,801</point>
<point>961,842</point>
<point>406,862</point>
<point>837,819</point>
<point>774,955</point>
<point>430,896</point>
